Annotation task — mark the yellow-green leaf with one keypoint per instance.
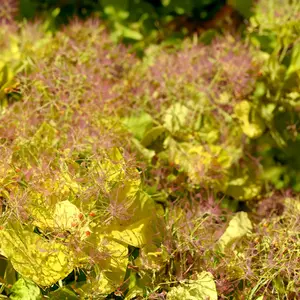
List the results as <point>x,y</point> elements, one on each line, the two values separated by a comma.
<point>252,128</point>
<point>238,227</point>
<point>65,215</point>
<point>134,235</point>
<point>176,117</point>
<point>202,288</point>
<point>45,262</point>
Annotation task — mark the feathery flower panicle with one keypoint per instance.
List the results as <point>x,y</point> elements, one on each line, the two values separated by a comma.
<point>224,66</point>
<point>8,12</point>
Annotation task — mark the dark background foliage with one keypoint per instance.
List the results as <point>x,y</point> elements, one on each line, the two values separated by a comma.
<point>138,21</point>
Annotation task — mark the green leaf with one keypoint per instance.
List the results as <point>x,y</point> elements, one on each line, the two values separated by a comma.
<point>116,4</point>
<point>242,6</point>
<point>129,33</point>
<point>138,124</point>
<point>202,288</point>
<point>165,2</point>
<point>154,138</point>
<point>244,184</point>
<point>122,31</point>
<point>239,226</point>
<point>279,285</point>
<point>178,6</point>
<point>295,61</point>
<point>25,289</point>
<point>146,153</point>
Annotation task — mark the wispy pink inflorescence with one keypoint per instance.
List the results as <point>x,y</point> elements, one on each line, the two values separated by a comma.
<point>224,66</point>
<point>8,12</point>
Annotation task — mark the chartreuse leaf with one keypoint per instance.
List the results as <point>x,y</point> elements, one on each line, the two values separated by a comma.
<point>45,136</point>
<point>152,258</point>
<point>253,127</point>
<point>293,205</point>
<point>67,218</point>
<point>176,117</point>
<point>135,234</point>
<point>65,215</point>
<point>10,275</point>
<point>45,262</point>
<point>41,213</point>
<point>124,195</point>
<point>111,267</point>
<point>238,227</point>
<point>117,257</point>
<point>100,285</point>
<point>53,214</point>
<point>112,167</point>
<point>202,288</point>
<point>200,162</point>
<point>25,289</point>
<point>134,288</point>
<point>44,139</point>
<point>243,185</point>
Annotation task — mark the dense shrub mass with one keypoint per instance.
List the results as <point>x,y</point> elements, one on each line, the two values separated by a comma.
<point>174,176</point>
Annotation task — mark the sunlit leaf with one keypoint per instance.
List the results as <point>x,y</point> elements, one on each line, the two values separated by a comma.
<point>239,226</point>
<point>202,288</point>
<point>44,262</point>
<point>135,234</point>
<point>65,215</point>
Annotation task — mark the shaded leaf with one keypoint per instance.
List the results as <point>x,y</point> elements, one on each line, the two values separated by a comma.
<point>63,293</point>
<point>252,125</point>
<point>154,138</point>
<point>295,61</point>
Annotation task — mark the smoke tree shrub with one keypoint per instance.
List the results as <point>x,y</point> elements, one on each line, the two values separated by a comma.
<point>117,173</point>
<point>70,200</point>
<point>200,123</point>
<point>276,97</point>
